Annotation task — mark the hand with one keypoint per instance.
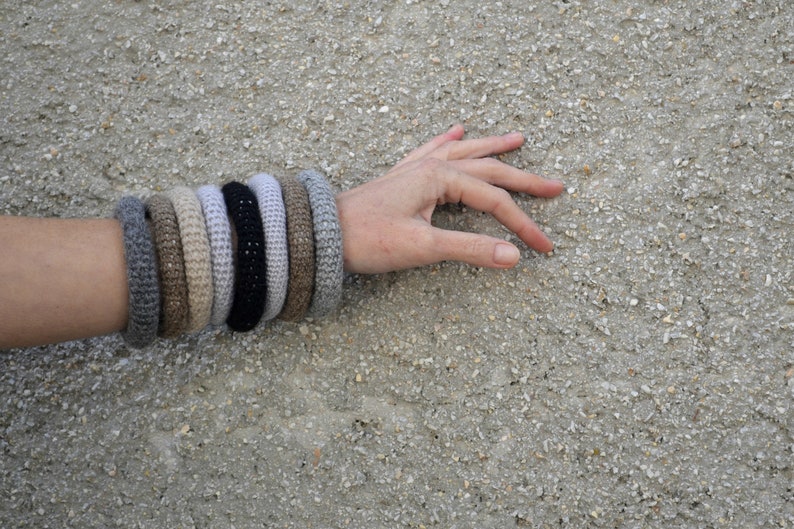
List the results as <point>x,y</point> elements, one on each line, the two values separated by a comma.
<point>386,223</point>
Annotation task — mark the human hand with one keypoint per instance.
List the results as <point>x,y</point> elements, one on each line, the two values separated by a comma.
<point>386,223</point>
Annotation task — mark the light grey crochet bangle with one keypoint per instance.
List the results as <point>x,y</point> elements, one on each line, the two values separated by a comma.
<point>144,291</point>
<point>196,252</point>
<point>274,222</point>
<point>328,263</point>
<point>219,233</point>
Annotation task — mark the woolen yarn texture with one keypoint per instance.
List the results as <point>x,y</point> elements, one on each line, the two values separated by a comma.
<point>328,263</point>
<point>274,224</point>
<point>196,252</point>
<point>300,239</point>
<point>143,311</point>
<point>219,233</point>
<point>171,266</point>
<point>250,277</point>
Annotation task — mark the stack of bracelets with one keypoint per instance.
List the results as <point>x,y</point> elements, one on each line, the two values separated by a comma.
<point>236,255</point>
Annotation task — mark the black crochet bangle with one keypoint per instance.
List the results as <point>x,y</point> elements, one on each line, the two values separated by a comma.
<point>250,284</point>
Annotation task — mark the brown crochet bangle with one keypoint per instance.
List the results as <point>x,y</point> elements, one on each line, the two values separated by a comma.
<point>300,239</point>
<point>171,269</point>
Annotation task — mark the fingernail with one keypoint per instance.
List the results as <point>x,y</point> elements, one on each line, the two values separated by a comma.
<point>505,254</point>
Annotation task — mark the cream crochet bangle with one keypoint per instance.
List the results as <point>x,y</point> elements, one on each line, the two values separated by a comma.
<point>196,252</point>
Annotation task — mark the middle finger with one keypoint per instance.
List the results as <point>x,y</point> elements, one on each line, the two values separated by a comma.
<point>508,177</point>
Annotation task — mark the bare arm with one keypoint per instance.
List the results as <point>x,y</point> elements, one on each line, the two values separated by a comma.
<point>60,279</point>
<point>67,279</point>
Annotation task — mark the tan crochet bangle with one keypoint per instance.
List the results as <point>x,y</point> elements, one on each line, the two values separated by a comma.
<point>300,240</point>
<point>171,268</point>
<point>196,252</point>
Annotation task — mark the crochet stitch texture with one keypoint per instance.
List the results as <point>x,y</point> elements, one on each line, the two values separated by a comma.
<point>171,269</point>
<point>144,291</point>
<point>274,222</point>
<point>196,253</point>
<point>329,266</point>
<point>219,233</point>
<point>300,238</point>
<point>250,279</point>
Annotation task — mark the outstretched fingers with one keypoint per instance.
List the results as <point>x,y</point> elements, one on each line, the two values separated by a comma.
<point>462,188</point>
<point>508,177</point>
<point>451,146</point>
<point>453,134</point>
<point>480,147</point>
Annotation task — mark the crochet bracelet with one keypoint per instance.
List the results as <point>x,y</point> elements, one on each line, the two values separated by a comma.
<point>144,292</point>
<point>329,266</point>
<point>300,238</point>
<point>219,233</point>
<point>173,284</point>
<point>196,253</point>
<point>251,282</point>
<point>274,223</point>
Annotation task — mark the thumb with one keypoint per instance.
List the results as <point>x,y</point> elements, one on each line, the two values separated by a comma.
<point>475,249</point>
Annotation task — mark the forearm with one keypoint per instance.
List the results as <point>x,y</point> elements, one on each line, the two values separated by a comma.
<point>60,279</point>
<point>170,266</point>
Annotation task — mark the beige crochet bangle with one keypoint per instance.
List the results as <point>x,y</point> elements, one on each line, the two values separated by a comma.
<point>196,252</point>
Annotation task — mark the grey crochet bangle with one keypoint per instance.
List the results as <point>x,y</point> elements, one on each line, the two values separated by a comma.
<point>196,253</point>
<point>144,292</point>
<point>274,222</point>
<point>219,233</point>
<point>328,263</point>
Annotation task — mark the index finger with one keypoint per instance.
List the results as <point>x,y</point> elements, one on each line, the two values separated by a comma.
<point>453,134</point>
<point>450,146</point>
<point>479,148</point>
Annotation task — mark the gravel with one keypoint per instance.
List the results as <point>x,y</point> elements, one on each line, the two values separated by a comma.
<point>641,376</point>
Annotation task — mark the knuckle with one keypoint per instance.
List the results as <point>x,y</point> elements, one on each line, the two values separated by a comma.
<point>501,197</point>
<point>491,163</point>
<point>501,202</point>
<point>431,166</point>
<point>475,247</point>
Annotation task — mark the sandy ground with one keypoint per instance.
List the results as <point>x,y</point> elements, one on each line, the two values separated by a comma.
<point>641,376</point>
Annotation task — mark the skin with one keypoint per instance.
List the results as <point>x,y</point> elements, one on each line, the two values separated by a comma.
<point>65,279</point>
<point>62,279</point>
<point>386,222</point>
